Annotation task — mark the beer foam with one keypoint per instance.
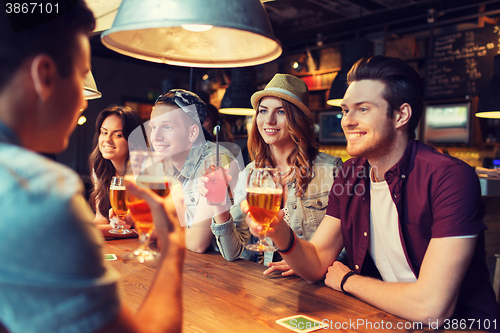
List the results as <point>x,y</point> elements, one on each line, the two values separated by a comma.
<point>260,190</point>
<point>147,179</point>
<point>119,188</point>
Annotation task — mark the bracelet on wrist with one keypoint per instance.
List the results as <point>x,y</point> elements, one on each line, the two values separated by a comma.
<point>291,246</point>
<point>344,279</point>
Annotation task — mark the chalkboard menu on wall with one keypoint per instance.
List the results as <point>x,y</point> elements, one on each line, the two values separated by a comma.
<point>462,63</point>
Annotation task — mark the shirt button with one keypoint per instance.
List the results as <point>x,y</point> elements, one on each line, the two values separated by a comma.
<point>319,202</point>
<point>356,266</point>
<point>366,234</point>
<point>294,206</point>
<point>299,232</point>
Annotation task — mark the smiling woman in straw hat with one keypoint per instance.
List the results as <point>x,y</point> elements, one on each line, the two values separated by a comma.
<point>282,136</point>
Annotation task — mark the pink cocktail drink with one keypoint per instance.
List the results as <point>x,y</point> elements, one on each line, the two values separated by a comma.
<point>216,185</point>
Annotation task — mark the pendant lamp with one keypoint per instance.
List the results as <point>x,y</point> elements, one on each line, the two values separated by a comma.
<point>90,88</point>
<point>104,13</point>
<point>236,100</point>
<point>489,100</point>
<point>338,88</point>
<point>352,51</point>
<point>194,33</point>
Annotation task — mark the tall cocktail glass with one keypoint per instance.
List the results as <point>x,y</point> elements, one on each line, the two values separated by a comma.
<point>146,170</point>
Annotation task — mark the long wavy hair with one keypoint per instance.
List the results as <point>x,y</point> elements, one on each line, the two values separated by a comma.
<point>301,129</point>
<point>103,168</point>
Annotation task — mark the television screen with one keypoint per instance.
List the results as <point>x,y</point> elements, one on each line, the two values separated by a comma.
<point>447,123</point>
<point>330,129</point>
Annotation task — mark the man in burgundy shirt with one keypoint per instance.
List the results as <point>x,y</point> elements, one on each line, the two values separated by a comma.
<point>409,217</point>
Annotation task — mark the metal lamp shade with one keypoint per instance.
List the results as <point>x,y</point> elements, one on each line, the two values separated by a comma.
<point>352,51</point>
<point>489,101</point>
<point>104,13</point>
<point>241,34</point>
<point>90,88</point>
<point>236,100</point>
<point>338,88</point>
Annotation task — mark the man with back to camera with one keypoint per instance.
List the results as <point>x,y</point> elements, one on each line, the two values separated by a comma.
<point>52,274</point>
<point>409,217</point>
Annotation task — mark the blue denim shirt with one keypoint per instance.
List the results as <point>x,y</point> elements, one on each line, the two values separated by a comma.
<point>192,171</point>
<point>306,212</point>
<point>52,274</point>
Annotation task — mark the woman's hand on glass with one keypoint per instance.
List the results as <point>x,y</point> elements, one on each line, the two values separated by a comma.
<point>217,209</point>
<point>278,229</point>
<point>114,221</point>
<point>255,228</point>
<point>280,266</point>
<point>202,184</point>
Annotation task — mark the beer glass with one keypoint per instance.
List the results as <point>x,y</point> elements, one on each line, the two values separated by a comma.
<point>117,200</point>
<point>264,194</point>
<point>146,170</point>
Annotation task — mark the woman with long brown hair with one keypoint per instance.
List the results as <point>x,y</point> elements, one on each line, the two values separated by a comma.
<point>282,136</point>
<point>109,158</point>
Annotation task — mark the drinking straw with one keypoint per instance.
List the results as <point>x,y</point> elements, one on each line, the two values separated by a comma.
<point>217,130</point>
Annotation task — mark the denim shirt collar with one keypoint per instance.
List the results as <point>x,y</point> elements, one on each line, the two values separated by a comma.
<point>8,136</point>
<point>192,160</point>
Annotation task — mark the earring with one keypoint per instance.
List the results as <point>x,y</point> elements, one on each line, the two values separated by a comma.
<point>191,140</point>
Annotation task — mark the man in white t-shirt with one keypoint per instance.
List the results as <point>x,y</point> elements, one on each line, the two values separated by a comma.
<point>409,217</point>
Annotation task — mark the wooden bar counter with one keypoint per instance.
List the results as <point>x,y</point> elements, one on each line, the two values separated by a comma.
<point>232,297</point>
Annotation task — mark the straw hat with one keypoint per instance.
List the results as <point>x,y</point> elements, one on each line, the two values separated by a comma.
<point>287,87</point>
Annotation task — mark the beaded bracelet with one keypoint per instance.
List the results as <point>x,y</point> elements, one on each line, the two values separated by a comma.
<point>293,242</point>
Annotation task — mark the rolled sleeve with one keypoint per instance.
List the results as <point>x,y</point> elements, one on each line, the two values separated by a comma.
<point>231,238</point>
<point>222,229</point>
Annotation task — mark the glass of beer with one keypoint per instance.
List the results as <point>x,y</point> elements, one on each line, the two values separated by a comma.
<point>264,193</point>
<point>146,170</point>
<point>117,200</point>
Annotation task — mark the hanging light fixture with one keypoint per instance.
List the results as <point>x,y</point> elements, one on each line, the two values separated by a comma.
<point>236,100</point>
<point>489,100</point>
<point>338,88</point>
<point>82,120</point>
<point>194,33</point>
<point>104,13</point>
<point>90,88</point>
<point>352,51</point>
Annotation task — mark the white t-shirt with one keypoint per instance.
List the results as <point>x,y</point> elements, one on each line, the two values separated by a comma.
<point>386,247</point>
